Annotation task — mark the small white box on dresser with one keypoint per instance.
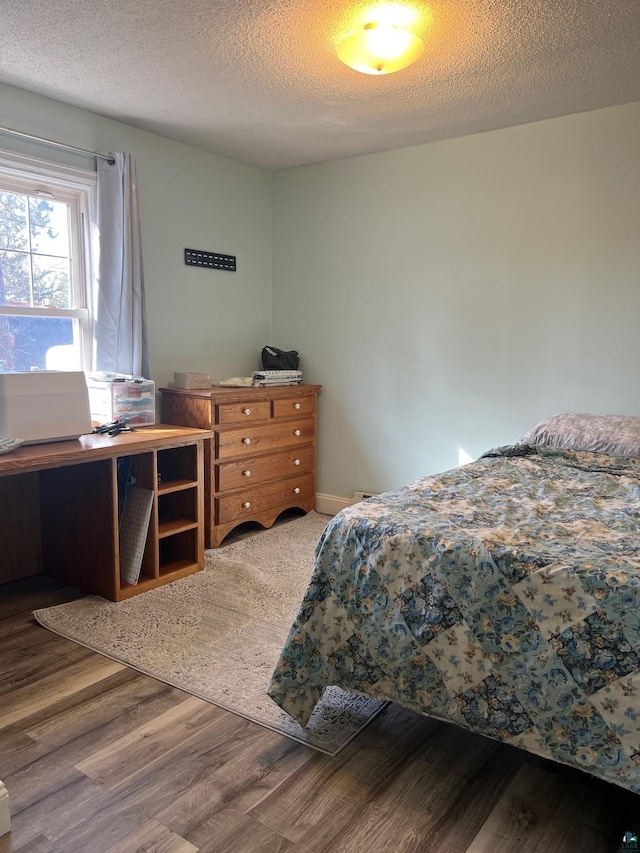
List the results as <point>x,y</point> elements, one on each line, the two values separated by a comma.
<point>192,381</point>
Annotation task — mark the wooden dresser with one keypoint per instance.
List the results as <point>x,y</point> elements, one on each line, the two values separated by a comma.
<point>263,456</point>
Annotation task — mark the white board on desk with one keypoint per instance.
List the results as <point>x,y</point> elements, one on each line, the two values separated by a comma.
<point>44,405</point>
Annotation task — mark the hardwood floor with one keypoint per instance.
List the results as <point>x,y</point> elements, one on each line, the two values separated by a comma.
<point>97,757</point>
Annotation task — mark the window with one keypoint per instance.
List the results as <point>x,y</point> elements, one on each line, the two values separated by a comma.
<point>45,292</point>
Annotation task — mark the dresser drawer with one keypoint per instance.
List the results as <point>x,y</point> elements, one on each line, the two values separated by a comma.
<point>246,441</point>
<point>246,473</point>
<point>235,413</point>
<point>247,504</point>
<point>288,406</point>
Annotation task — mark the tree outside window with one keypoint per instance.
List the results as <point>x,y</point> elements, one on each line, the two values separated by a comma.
<point>44,320</point>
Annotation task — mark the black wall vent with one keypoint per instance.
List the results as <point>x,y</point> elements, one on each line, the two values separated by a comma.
<point>211,260</point>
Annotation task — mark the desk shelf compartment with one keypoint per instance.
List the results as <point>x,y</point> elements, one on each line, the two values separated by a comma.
<point>78,526</point>
<point>141,467</point>
<point>177,511</point>
<point>177,468</point>
<point>178,553</point>
<point>180,509</point>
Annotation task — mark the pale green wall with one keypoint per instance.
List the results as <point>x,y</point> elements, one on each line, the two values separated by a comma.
<point>447,295</point>
<point>450,295</point>
<point>199,320</point>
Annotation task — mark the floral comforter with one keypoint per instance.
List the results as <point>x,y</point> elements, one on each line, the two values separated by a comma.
<point>503,596</point>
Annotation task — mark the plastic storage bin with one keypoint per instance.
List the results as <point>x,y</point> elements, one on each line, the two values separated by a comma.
<point>122,398</point>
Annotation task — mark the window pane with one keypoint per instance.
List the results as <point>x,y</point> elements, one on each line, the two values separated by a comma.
<point>15,278</point>
<point>14,229</point>
<point>49,221</point>
<point>43,342</point>
<point>51,282</point>
<point>40,276</point>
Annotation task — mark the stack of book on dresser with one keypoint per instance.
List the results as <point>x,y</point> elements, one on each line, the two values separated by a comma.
<point>269,378</point>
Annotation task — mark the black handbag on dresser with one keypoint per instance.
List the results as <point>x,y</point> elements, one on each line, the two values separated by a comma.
<point>277,359</point>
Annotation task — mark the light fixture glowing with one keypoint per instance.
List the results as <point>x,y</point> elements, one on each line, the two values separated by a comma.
<point>380,48</point>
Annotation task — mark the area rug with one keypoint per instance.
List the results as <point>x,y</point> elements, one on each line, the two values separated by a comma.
<point>218,634</point>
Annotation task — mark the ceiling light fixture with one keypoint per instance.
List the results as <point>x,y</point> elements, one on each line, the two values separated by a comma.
<point>380,48</point>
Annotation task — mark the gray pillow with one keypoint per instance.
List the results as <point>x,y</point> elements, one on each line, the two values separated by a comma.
<point>615,435</point>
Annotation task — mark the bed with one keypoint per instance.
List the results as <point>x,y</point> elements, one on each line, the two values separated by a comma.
<point>503,596</point>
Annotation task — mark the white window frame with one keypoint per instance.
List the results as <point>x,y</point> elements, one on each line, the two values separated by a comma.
<point>77,188</point>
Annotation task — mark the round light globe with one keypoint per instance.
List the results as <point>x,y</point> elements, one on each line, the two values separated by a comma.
<point>380,49</point>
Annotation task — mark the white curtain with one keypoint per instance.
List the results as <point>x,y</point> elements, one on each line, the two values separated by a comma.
<point>120,331</point>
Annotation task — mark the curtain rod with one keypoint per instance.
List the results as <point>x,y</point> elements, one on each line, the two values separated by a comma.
<point>109,160</point>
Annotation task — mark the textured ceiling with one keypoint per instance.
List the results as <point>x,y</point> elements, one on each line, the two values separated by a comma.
<point>260,82</point>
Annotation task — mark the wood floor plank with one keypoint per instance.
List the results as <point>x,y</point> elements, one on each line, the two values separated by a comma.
<point>246,835</point>
<point>154,741</point>
<point>22,597</point>
<point>125,699</point>
<point>14,743</point>
<point>33,697</point>
<point>538,812</point>
<point>59,811</point>
<point>33,651</point>
<point>213,806</point>
<point>148,794</point>
<point>85,722</point>
<point>38,845</point>
<point>449,773</point>
<point>36,781</point>
<point>447,794</point>
<point>153,836</point>
<point>354,777</point>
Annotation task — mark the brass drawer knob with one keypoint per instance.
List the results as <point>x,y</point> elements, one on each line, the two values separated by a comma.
<point>296,405</point>
<point>296,461</point>
<point>246,441</point>
<point>296,491</point>
<point>246,411</point>
<point>296,432</point>
<point>247,504</point>
<point>246,473</point>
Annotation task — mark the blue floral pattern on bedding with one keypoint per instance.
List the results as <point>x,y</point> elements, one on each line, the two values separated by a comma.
<point>503,596</point>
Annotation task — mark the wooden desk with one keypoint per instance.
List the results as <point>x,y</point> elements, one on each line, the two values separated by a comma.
<point>59,509</point>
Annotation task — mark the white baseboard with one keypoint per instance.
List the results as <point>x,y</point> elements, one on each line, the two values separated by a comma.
<point>5,815</point>
<point>330,504</point>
